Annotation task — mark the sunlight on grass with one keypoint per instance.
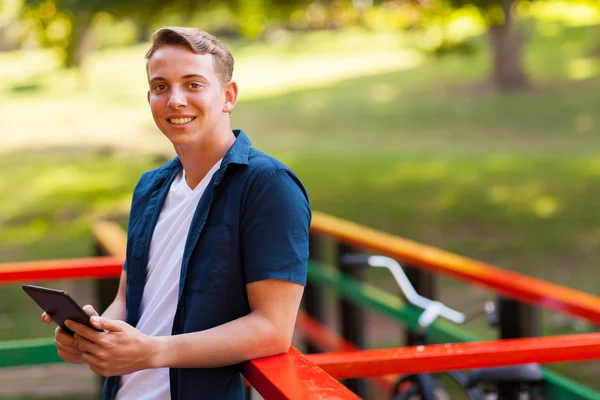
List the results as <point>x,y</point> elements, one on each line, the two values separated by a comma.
<point>26,66</point>
<point>111,106</point>
<point>592,167</point>
<point>349,41</point>
<point>583,68</point>
<point>498,194</point>
<point>310,101</point>
<point>265,77</point>
<point>59,179</point>
<point>382,93</point>
<point>397,96</point>
<point>408,171</point>
<point>527,196</point>
<point>545,206</point>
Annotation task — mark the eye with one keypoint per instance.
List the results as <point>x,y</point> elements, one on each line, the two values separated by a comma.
<point>160,87</point>
<point>195,85</point>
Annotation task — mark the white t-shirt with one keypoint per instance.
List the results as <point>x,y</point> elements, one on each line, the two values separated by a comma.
<point>159,300</point>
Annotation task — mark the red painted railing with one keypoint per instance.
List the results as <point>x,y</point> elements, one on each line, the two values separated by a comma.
<point>459,356</point>
<point>511,284</point>
<point>79,268</point>
<point>328,341</point>
<point>293,376</point>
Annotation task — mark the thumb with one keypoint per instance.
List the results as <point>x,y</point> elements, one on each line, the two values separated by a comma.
<point>90,310</point>
<point>110,325</point>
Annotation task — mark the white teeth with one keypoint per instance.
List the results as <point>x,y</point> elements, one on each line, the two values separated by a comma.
<point>180,121</point>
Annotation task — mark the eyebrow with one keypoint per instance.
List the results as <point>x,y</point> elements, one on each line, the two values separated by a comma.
<point>194,76</point>
<point>188,76</point>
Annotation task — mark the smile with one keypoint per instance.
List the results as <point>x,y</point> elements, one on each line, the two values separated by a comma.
<point>181,121</point>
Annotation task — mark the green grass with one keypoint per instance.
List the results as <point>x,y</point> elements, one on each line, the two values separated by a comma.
<point>431,110</point>
<point>511,179</point>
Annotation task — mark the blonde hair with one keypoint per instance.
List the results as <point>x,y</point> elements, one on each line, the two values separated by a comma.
<point>198,41</point>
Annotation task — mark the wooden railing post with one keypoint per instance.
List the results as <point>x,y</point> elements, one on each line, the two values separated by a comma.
<point>314,297</point>
<point>517,320</point>
<point>352,317</point>
<point>109,240</point>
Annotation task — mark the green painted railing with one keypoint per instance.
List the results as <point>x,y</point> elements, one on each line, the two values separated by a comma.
<point>558,387</point>
<point>16,353</point>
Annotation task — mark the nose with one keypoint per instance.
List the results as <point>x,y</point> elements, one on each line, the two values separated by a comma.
<point>177,99</point>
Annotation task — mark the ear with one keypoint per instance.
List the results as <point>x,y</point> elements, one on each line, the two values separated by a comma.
<point>148,96</point>
<point>231,94</point>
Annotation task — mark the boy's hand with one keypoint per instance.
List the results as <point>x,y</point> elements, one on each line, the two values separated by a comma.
<point>67,346</point>
<point>119,349</point>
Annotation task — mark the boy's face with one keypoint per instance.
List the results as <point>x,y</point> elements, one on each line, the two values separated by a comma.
<point>187,100</point>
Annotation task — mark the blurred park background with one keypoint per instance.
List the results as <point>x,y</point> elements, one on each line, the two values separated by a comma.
<point>471,125</point>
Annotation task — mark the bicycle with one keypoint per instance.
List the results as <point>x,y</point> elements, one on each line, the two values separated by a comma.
<point>479,384</point>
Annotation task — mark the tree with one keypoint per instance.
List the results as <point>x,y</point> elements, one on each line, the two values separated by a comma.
<point>80,15</point>
<point>505,40</point>
<point>253,16</point>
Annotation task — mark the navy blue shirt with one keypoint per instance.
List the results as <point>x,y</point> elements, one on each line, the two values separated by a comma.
<point>250,224</point>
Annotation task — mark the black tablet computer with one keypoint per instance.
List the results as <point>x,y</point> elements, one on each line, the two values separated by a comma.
<point>59,305</point>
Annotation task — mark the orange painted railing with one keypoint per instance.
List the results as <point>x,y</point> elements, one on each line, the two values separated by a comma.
<point>511,284</point>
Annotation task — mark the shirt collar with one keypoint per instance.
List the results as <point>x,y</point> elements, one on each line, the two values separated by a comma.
<point>237,154</point>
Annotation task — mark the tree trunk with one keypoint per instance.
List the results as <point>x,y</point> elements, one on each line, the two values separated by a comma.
<point>79,40</point>
<point>143,32</point>
<point>506,43</point>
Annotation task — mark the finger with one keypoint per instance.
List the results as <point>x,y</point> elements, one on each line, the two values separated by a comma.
<point>96,364</point>
<point>82,330</point>
<point>90,310</point>
<point>64,338</point>
<point>99,371</point>
<point>111,325</point>
<point>91,359</point>
<point>68,349</point>
<point>71,358</point>
<point>46,318</point>
<point>87,346</point>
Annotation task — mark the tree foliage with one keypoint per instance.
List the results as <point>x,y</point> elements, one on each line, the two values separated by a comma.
<point>504,38</point>
<point>67,24</point>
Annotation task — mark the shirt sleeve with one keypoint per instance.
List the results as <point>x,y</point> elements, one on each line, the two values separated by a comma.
<point>274,232</point>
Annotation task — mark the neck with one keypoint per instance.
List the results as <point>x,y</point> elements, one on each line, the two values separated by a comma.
<point>199,158</point>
